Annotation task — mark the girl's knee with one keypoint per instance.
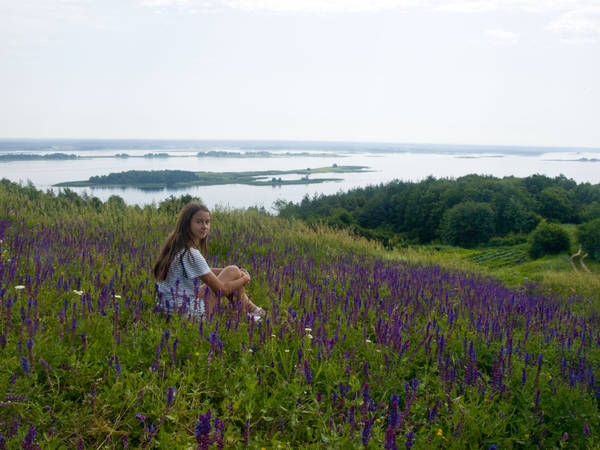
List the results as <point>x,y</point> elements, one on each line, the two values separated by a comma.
<point>233,270</point>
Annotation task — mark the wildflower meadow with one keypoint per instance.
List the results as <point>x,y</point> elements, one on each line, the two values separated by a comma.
<point>360,347</point>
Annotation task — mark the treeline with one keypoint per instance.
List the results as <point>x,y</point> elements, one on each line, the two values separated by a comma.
<point>467,211</point>
<point>33,157</point>
<point>157,178</point>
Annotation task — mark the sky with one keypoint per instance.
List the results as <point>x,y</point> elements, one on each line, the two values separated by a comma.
<point>504,72</point>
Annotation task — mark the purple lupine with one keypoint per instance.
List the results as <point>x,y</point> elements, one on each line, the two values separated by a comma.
<point>247,433</point>
<point>497,376</point>
<point>219,434</point>
<point>471,370</point>
<point>394,416</point>
<point>307,372</point>
<point>410,439</point>
<point>586,428</point>
<point>14,427</point>
<point>115,363</point>
<point>433,412</point>
<point>84,341</point>
<point>216,345</point>
<point>165,338</point>
<point>116,331</point>
<point>174,352</point>
<point>30,350</point>
<point>390,439</point>
<point>203,428</point>
<point>170,396</point>
<point>366,432</point>
<point>156,363</point>
<point>25,366</point>
<point>536,404</point>
<point>28,441</point>
<point>366,393</point>
<point>352,418</point>
<point>93,394</point>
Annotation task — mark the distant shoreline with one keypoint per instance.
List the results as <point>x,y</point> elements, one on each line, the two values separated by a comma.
<point>64,145</point>
<point>209,154</point>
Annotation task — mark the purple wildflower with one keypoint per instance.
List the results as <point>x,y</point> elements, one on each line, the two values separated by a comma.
<point>25,365</point>
<point>366,433</point>
<point>203,428</point>
<point>219,435</point>
<point>390,439</point>
<point>247,433</point>
<point>28,441</point>
<point>170,396</point>
<point>84,341</point>
<point>410,437</point>
<point>586,428</point>
<point>394,417</point>
<point>115,363</point>
<point>307,372</point>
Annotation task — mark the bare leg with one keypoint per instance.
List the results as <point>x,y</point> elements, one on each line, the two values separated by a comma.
<point>228,273</point>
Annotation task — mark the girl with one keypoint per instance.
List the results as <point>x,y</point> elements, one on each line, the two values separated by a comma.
<point>185,281</point>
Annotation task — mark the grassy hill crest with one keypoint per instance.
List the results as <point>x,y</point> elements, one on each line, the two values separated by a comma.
<point>425,347</point>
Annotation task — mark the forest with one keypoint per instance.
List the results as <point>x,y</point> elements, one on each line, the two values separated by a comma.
<point>469,211</point>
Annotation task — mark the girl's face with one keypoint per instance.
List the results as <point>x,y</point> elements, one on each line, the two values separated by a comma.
<point>200,225</point>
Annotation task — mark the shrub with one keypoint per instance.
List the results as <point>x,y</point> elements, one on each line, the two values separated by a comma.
<point>588,235</point>
<point>548,239</point>
<point>468,224</point>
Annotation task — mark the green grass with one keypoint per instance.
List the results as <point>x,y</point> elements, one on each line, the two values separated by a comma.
<point>350,325</point>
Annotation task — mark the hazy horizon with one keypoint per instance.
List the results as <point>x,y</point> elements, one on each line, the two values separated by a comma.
<point>6,143</point>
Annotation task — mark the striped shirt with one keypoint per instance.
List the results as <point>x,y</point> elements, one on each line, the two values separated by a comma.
<point>183,290</point>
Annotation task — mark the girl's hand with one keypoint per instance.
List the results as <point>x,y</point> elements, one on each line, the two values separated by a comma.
<point>245,274</point>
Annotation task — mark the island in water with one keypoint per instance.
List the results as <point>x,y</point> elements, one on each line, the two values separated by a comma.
<point>20,156</point>
<point>158,179</point>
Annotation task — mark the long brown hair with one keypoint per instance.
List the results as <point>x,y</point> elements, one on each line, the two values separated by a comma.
<point>179,239</point>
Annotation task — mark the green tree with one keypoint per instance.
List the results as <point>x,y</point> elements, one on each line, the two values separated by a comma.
<point>548,239</point>
<point>516,217</point>
<point>557,203</point>
<point>468,224</point>
<point>590,211</point>
<point>588,235</point>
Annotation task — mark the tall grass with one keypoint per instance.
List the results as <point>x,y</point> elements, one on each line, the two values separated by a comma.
<point>360,348</point>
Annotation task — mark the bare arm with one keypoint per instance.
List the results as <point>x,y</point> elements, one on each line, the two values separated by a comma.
<point>225,287</point>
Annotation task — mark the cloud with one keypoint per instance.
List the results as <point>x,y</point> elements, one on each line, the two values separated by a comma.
<point>575,21</point>
<point>319,6</point>
<point>572,7</point>
<point>578,26</point>
<point>502,37</point>
<point>166,3</point>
